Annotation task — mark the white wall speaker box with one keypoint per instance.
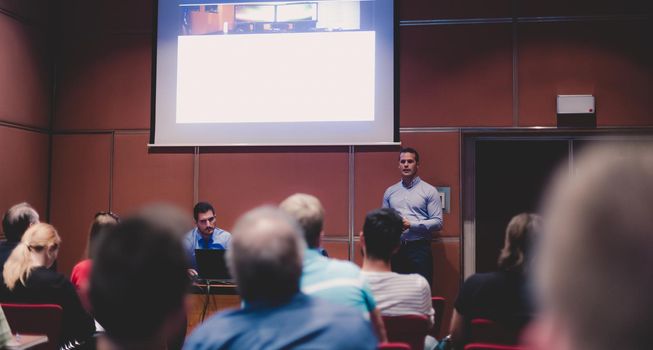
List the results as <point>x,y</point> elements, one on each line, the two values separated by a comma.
<point>576,111</point>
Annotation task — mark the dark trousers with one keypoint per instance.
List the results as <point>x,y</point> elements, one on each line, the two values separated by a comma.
<point>414,257</point>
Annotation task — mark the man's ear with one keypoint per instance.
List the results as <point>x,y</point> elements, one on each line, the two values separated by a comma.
<point>362,240</point>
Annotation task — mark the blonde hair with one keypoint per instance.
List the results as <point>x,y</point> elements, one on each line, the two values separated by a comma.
<point>518,241</point>
<point>19,265</point>
<point>308,212</point>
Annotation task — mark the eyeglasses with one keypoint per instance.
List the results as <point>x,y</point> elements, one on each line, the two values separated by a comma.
<point>111,214</point>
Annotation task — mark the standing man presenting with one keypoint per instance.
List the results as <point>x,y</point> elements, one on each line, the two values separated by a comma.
<point>205,235</point>
<point>419,205</point>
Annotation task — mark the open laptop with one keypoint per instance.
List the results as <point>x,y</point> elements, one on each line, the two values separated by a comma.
<point>212,266</point>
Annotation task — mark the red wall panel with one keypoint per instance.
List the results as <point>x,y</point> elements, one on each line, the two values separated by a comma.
<point>581,8</point>
<point>337,249</point>
<point>457,75</point>
<point>24,175</point>
<point>429,9</point>
<point>80,187</point>
<point>141,176</point>
<point>104,83</point>
<point>610,60</point>
<point>375,170</point>
<point>107,16</point>
<point>446,276</point>
<point>237,180</point>
<point>25,81</point>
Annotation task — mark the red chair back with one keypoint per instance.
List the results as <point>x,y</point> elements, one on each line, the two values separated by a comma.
<point>488,346</point>
<point>438,306</point>
<point>487,331</point>
<point>409,329</point>
<point>394,346</point>
<point>36,319</point>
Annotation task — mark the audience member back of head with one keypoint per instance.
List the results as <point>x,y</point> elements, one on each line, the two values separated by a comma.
<point>593,273</point>
<point>14,223</point>
<point>139,282</point>
<point>266,262</point>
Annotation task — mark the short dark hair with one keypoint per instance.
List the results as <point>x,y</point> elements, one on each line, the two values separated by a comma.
<point>17,219</point>
<point>139,279</point>
<point>202,207</point>
<point>382,231</point>
<point>410,150</point>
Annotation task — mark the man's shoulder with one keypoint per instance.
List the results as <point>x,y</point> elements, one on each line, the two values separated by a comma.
<point>411,281</point>
<point>343,267</point>
<point>393,188</point>
<point>426,186</point>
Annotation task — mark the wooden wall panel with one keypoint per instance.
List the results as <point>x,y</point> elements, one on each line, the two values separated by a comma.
<point>24,175</point>
<point>375,170</point>
<point>429,9</point>
<point>610,60</point>
<point>582,8</point>
<point>104,83</point>
<point>107,16</point>
<point>25,80</point>
<point>80,188</point>
<point>237,180</point>
<point>142,176</point>
<point>446,276</point>
<point>337,249</point>
<point>457,75</point>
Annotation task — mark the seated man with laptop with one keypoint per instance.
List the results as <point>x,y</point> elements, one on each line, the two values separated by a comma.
<point>204,236</point>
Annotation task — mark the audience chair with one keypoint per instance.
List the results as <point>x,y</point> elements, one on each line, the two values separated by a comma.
<point>394,346</point>
<point>487,331</point>
<point>438,306</point>
<point>489,346</point>
<point>409,329</point>
<point>36,319</point>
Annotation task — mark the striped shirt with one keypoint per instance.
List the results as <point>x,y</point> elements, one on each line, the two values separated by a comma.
<point>397,294</point>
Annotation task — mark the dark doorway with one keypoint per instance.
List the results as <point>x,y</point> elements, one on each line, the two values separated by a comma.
<point>511,176</point>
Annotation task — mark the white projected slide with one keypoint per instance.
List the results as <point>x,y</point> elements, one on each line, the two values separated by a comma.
<point>280,77</point>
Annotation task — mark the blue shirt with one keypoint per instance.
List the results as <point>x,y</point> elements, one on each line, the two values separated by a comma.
<point>219,240</point>
<point>420,204</point>
<point>336,281</point>
<point>302,323</point>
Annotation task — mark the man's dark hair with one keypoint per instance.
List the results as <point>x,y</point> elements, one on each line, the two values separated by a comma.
<point>139,279</point>
<point>382,232</point>
<point>410,150</point>
<point>17,219</point>
<point>202,207</point>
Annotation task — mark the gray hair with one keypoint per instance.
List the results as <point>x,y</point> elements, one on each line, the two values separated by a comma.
<point>597,247</point>
<point>265,257</point>
<point>17,219</point>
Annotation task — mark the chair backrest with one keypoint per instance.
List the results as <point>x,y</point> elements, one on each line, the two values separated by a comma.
<point>489,346</point>
<point>394,346</point>
<point>409,329</point>
<point>438,306</point>
<point>36,319</point>
<point>487,331</point>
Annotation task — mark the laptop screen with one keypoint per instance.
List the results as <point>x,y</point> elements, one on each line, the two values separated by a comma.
<point>211,264</point>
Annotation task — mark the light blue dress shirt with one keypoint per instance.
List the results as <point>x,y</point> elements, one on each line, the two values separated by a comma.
<point>420,204</point>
